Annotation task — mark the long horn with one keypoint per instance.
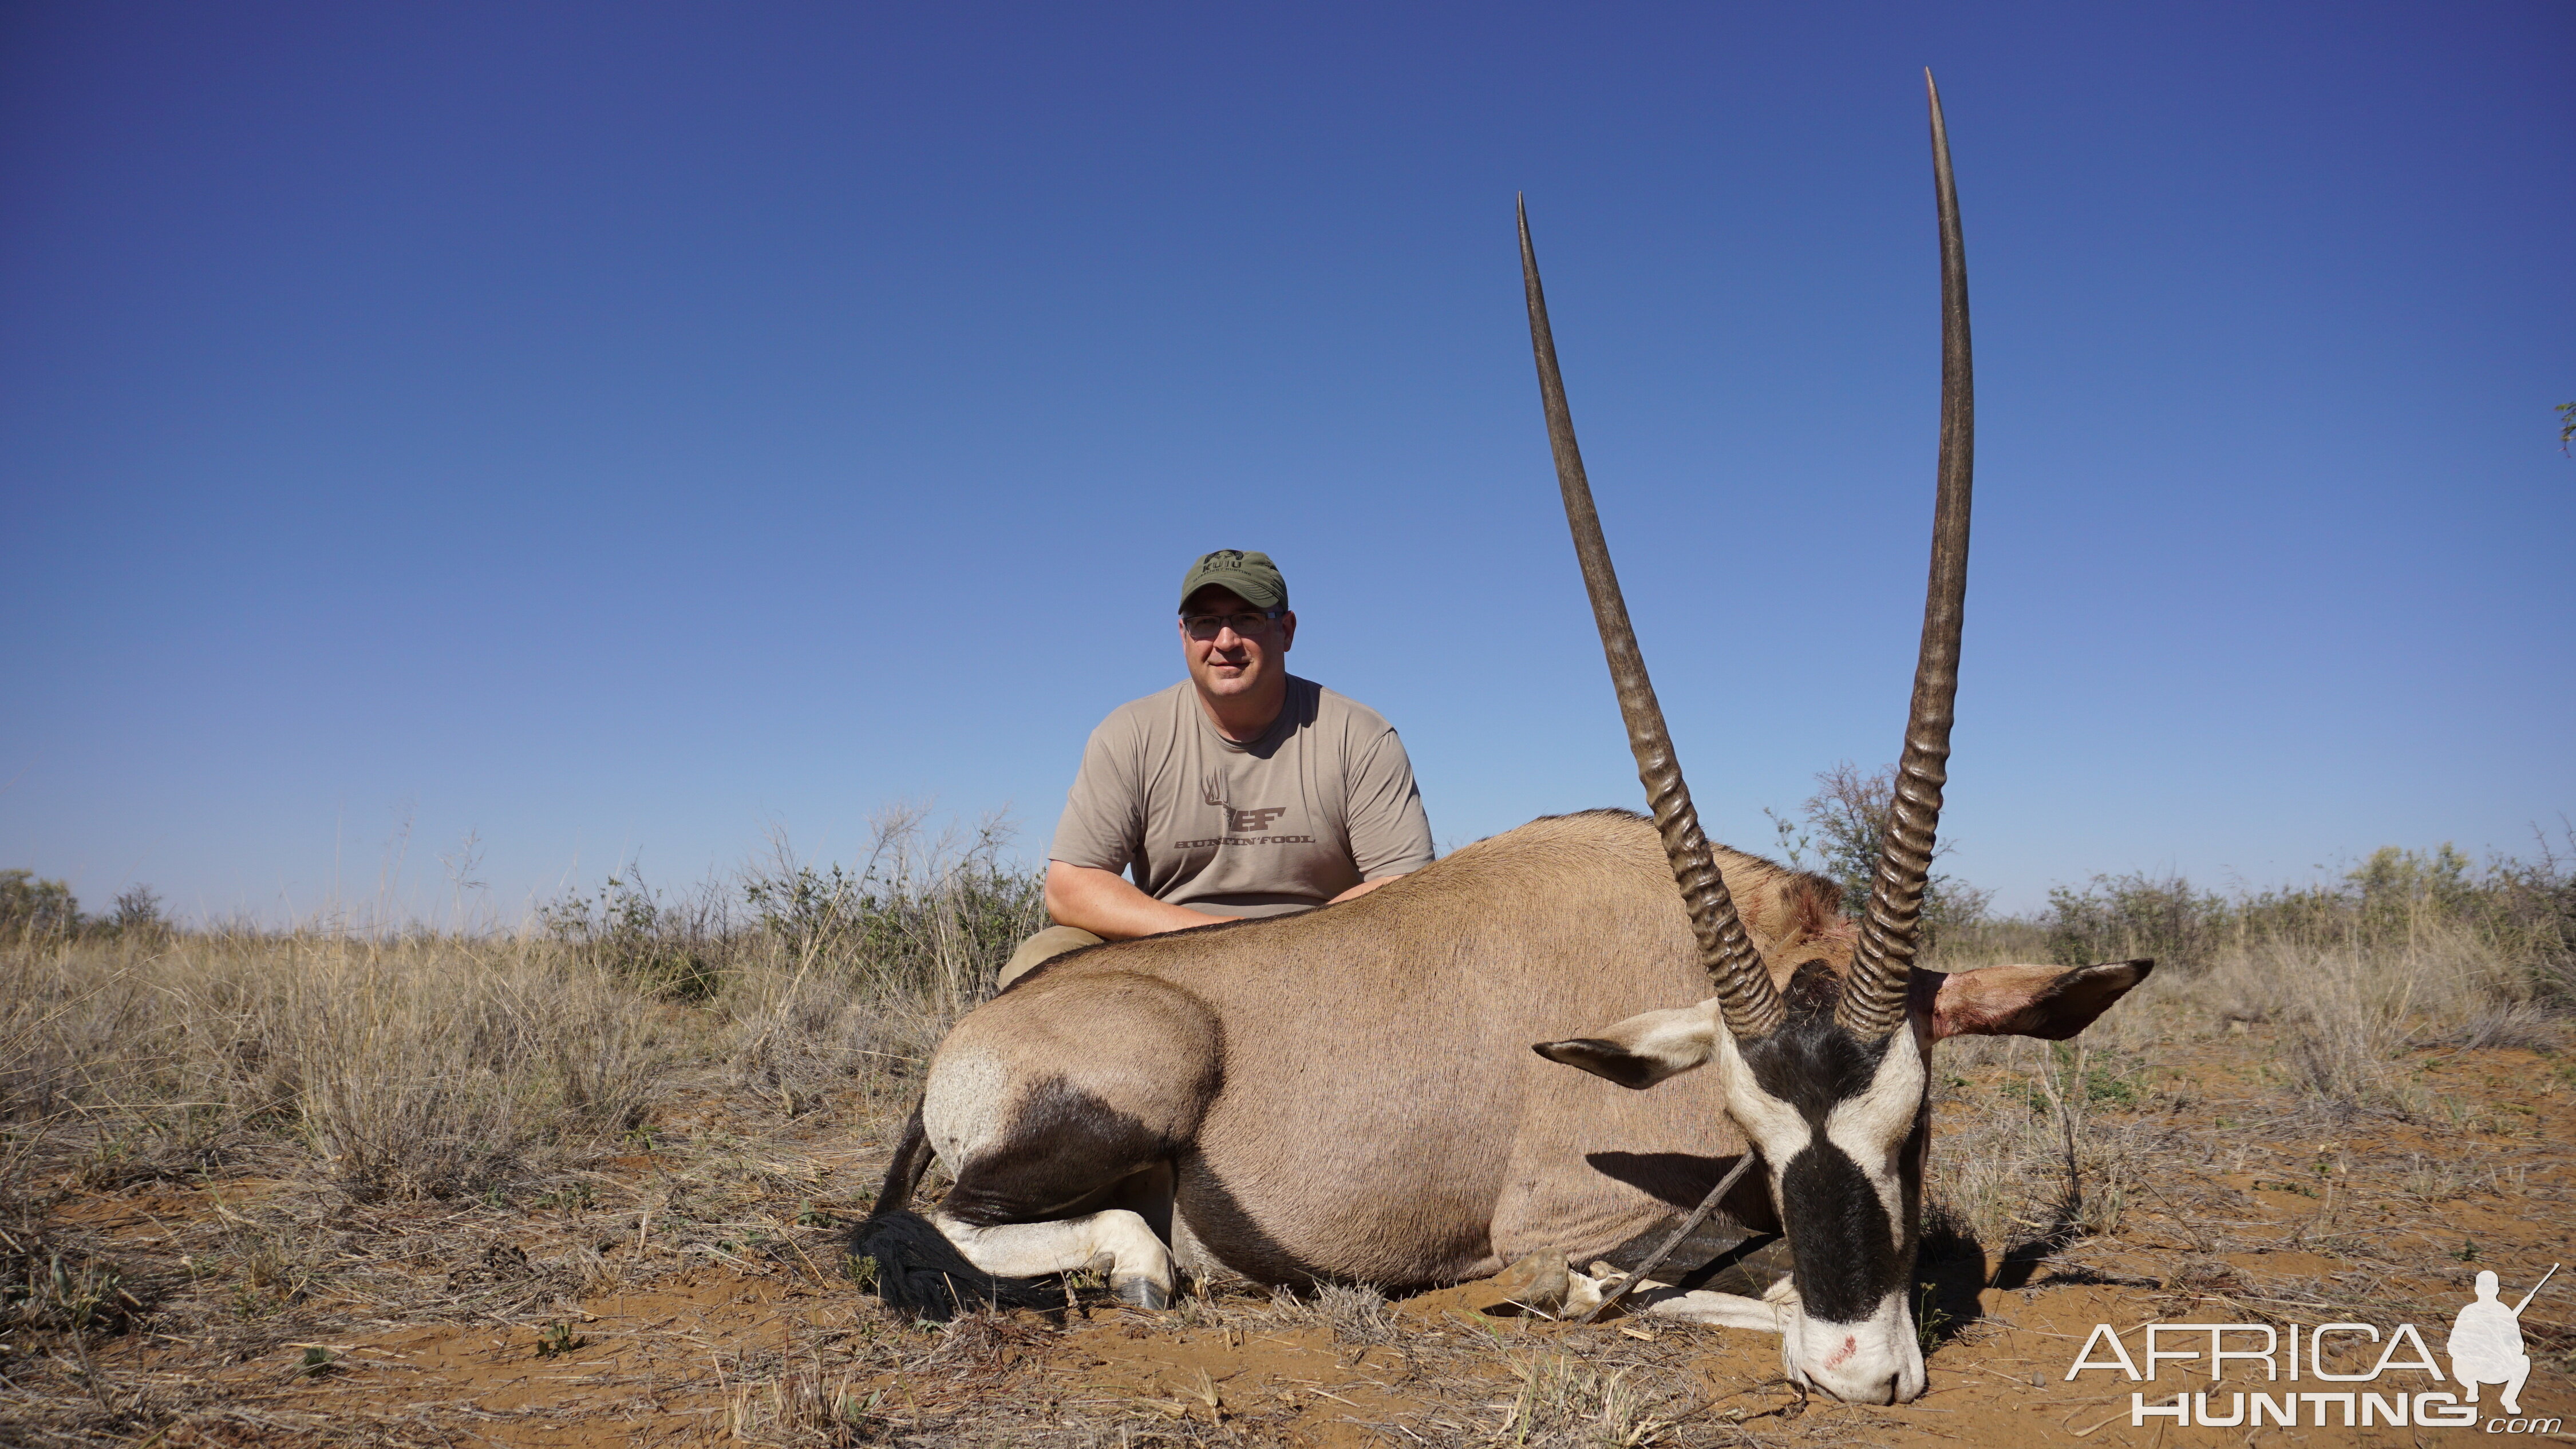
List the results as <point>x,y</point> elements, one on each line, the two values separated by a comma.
<point>1873,999</point>
<point>1744,992</point>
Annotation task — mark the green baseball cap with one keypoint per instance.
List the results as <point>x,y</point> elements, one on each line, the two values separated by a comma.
<point>1252,577</point>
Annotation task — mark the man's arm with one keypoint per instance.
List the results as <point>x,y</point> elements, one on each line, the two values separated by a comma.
<point>1105,904</point>
<point>1389,833</point>
<point>1364,887</point>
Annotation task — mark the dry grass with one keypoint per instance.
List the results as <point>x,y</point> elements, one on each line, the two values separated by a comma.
<point>437,1068</point>
<point>234,1148</point>
<point>334,1127</point>
<point>2042,1144</point>
<point>418,1065</point>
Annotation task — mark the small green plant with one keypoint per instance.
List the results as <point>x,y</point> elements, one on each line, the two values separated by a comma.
<point>106,1165</point>
<point>2104,1084</point>
<point>82,1294</point>
<point>2083,1078</point>
<point>557,1339</point>
<point>317,1362</point>
<point>573,1198</point>
<point>1929,1320</point>
<point>2468,1250</point>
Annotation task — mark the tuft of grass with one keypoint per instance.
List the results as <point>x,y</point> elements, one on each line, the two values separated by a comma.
<point>805,1404</point>
<point>1355,1312</point>
<point>65,1290</point>
<point>1561,1398</point>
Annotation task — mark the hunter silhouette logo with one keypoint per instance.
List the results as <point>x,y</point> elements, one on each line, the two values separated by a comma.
<point>2486,1342</point>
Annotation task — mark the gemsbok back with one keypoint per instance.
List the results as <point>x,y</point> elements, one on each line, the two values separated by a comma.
<point>1350,1095</point>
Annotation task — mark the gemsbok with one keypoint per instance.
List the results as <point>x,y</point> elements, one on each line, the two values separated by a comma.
<point>1350,1095</point>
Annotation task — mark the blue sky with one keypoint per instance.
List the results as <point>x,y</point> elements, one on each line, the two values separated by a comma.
<point>619,432</point>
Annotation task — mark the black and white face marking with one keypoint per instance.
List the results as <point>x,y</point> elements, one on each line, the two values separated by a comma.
<point>1837,1120</point>
<point>1842,1124</point>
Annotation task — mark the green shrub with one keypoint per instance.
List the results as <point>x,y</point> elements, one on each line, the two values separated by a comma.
<point>29,906</point>
<point>1843,826</point>
<point>672,949</point>
<point>2127,916</point>
<point>928,916</point>
<point>2521,911</point>
<point>924,915</point>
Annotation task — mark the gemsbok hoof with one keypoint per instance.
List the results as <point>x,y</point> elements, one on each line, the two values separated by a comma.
<point>1141,1293</point>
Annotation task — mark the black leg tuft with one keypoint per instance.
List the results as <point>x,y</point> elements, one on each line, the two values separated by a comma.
<point>921,1273</point>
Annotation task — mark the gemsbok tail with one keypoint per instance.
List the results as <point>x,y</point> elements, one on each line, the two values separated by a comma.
<point>919,1271</point>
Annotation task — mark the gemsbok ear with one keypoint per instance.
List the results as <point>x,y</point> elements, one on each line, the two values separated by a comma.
<point>2048,1002</point>
<point>1644,1049</point>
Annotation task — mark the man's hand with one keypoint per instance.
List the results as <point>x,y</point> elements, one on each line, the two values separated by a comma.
<point>1105,904</point>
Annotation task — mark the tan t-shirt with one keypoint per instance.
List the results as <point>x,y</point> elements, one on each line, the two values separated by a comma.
<point>1323,800</point>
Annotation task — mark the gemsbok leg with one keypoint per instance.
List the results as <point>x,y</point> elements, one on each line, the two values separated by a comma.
<point>1042,1156</point>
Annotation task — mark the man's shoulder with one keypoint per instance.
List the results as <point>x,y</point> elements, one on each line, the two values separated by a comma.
<point>1156,714</point>
<point>1337,710</point>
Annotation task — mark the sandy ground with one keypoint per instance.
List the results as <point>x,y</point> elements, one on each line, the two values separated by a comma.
<point>695,1290</point>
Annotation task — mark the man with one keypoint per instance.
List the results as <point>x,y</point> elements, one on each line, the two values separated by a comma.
<point>1241,791</point>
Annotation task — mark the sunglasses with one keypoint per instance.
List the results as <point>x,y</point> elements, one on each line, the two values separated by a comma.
<point>1208,626</point>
